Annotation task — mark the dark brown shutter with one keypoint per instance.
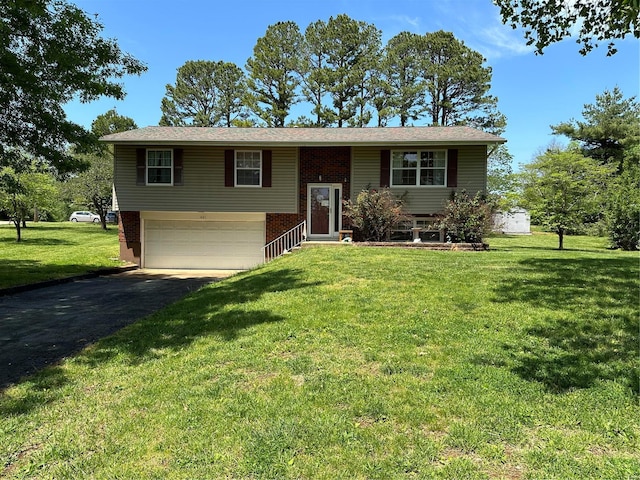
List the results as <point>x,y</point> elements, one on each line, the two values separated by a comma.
<point>141,166</point>
<point>229,160</point>
<point>266,168</point>
<point>385,168</point>
<point>452,168</point>
<point>177,166</point>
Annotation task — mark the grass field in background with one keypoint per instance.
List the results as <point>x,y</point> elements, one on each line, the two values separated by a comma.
<point>55,250</point>
<point>377,363</point>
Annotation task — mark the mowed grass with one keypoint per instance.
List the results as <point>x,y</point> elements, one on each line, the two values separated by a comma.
<point>377,363</point>
<point>54,250</point>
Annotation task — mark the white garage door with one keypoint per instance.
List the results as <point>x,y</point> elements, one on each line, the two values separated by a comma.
<point>197,244</point>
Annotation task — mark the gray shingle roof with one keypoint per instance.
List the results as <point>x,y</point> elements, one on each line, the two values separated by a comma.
<point>304,136</point>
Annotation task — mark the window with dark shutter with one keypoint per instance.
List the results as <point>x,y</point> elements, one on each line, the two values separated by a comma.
<point>141,166</point>
<point>452,168</point>
<point>266,168</point>
<point>385,167</point>
<point>177,166</point>
<point>229,168</point>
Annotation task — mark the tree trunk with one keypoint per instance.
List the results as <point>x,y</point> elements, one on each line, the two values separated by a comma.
<point>561,239</point>
<point>18,224</point>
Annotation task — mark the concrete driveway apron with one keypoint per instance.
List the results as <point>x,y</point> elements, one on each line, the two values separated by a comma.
<point>40,327</point>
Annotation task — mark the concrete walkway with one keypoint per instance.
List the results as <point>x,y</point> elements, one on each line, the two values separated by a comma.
<point>40,327</point>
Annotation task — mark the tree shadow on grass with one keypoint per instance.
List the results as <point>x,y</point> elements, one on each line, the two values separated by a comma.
<point>20,272</point>
<point>40,242</point>
<point>221,309</point>
<point>594,337</point>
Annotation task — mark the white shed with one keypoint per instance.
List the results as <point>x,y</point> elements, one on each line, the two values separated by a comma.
<point>516,221</point>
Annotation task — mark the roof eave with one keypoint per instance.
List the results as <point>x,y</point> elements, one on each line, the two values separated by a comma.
<point>387,143</point>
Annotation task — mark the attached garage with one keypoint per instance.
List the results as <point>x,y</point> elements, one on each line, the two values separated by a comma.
<point>227,241</point>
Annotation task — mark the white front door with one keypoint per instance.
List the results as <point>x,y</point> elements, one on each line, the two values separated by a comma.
<point>324,210</point>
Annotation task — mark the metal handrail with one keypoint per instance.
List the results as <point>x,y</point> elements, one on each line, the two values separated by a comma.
<point>285,242</point>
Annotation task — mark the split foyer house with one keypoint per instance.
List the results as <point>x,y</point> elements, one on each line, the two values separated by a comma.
<point>192,197</point>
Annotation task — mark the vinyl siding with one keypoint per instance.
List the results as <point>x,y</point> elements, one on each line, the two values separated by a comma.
<point>472,177</point>
<point>203,184</point>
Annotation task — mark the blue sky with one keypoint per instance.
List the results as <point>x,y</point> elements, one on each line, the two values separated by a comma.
<point>534,92</point>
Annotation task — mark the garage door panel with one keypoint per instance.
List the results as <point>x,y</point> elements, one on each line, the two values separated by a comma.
<point>203,244</point>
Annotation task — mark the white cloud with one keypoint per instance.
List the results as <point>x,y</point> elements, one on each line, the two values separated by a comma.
<point>413,22</point>
<point>500,41</point>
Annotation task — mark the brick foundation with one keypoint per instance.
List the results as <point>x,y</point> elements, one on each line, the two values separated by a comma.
<point>279,223</point>
<point>129,235</point>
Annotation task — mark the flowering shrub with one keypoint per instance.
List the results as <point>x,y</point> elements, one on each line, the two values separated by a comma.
<point>466,219</point>
<point>374,213</point>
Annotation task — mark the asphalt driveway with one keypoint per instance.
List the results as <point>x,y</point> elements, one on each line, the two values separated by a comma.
<point>42,326</point>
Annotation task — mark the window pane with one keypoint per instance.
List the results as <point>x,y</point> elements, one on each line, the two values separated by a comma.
<point>405,159</point>
<point>248,177</point>
<point>426,177</point>
<point>432,177</point>
<point>159,158</point>
<point>430,159</point>
<point>404,177</point>
<point>159,175</point>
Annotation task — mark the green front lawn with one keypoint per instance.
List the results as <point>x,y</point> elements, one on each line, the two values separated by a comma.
<point>520,362</point>
<point>55,250</point>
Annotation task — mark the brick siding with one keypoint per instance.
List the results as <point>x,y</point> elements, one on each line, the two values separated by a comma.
<point>317,165</point>
<point>129,235</point>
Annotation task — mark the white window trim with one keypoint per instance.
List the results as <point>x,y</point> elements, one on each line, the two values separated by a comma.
<point>235,169</point>
<point>146,170</point>
<point>417,168</point>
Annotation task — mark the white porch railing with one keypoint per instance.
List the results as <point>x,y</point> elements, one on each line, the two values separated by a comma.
<point>285,242</point>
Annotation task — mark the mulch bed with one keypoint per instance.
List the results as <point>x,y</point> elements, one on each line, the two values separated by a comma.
<point>465,247</point>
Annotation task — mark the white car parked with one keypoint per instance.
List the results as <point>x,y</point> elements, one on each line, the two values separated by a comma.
<point>84,217</point>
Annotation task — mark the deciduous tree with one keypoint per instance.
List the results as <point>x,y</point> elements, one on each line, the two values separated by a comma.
<point>111,122</point>
<point>92,188</point>
<point>52,52</point>
<point>622,214</point>
<point>562,187</point>
<point>24,187</point>
<point>549,21</point>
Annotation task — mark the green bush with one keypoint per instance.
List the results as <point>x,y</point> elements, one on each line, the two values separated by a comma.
<point>467,219</point>
<point>374,213</point>
<point>623,208</point>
